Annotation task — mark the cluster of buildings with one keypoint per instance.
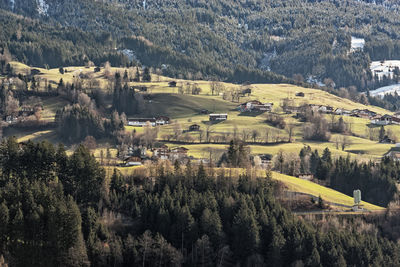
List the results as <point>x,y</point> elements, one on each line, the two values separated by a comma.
<point>138,155</point>
<point>24,112</point>
<point>360,113</point>
<point>155,121</point>
<point>255,106</point>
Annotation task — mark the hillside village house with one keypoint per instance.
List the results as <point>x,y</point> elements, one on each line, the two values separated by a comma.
<point>321,108</point>
<point>132,161</point>
<point>363,113</point>
<point>256,106</point>
<point>176,153</point>
<point>218,117</point>
<point>140,122</point>
<point>306,176</point>
<point>161,152</point>
<point>385,120</point>
<point>342,111</point>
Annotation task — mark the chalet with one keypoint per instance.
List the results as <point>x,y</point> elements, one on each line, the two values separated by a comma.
<point>194,127</point>
<point>306,176</point>
<point>161,152</point>
<point>178,153</point>
<point>255,105</point>
<point>172,84</point>
<point>140,122</point>
<point>342,111</point>
<point>132,161</point>
<point>300,94</point>
<point>218,117</point>
<point>363,113</point>
<point>325,109</point>
<point>162,120</point>
<point>321,108</point>
<point>385,120</point>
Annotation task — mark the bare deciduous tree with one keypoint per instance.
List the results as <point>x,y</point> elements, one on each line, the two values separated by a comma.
<point>12,105</point>
<point>290,129</point>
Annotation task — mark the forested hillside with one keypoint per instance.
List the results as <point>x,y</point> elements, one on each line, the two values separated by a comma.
<point>211,38</point>
<point>59,210</point>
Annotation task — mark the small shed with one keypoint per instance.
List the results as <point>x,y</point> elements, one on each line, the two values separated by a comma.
<point>194,127</point>
<point>172,84</point>
<point>300,94</point>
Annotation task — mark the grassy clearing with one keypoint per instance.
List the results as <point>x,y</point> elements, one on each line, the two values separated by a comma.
<point>35,136</point>
<point>327,194</point>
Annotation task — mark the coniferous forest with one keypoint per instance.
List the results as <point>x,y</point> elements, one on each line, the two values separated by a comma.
<point>60,210</point>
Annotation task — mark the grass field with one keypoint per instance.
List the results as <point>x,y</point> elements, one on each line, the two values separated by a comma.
<point>327,194</point>
<point>185,110</point>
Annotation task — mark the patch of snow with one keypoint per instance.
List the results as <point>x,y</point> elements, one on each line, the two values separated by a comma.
<point>265,61</point>
<point>130,54</point>
<point>381,92</point>
<point>144,4</point>
<point>12,4</point>
<point>385,68</point>
<point>357,44</point>
<point>42,7</point>
<point>314,80</point>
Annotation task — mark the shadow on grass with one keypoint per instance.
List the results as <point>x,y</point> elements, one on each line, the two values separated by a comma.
<point>212,122</point>
<point>251,114</point>
<point>354,151</point>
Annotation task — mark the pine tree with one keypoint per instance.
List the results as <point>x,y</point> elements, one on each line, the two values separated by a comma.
<point>137,75</point>
<point>146,75</point>
<point>246,233</point>
<point>203,252</point>
<point>382,133</point>
<point>211,226</point>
